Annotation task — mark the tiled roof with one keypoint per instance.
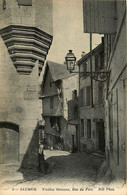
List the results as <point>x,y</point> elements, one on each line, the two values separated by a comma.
<point>58,71</point>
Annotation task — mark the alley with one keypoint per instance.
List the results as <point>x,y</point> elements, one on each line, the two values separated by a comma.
<point>73,170</point>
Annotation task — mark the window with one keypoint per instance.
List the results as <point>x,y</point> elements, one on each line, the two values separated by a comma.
<point>4,4</point>
<point>82,127</point>
<point>51,102</point>
<point>89,128</point>
<point>76,111</point>
<point>82,96</point>
<point>52,121</point>
<point>74,95</point>
<point>88,96</point>
<point>25,2</point>
<point>55,122</point>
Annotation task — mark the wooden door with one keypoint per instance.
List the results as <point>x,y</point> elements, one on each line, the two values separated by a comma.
<point>101,136</point>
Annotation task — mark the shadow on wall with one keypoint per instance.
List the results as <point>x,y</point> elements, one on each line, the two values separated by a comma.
<point>30,158</point>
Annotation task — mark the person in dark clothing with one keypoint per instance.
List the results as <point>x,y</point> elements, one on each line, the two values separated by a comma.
<point>43,165</point>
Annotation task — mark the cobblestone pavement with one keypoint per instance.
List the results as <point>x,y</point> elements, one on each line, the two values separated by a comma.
<point>73,170</point>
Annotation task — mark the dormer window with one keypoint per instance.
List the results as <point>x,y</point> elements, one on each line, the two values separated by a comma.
<point>4,4</point>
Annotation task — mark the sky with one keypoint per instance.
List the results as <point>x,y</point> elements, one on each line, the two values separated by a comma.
<point>68,31</point>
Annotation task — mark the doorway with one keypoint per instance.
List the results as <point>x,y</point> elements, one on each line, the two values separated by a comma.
<point>9,142</point>
<point>101,136</point>
<point>75,140</point>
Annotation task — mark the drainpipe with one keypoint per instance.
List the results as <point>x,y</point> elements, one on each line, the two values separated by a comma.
<point>91,69</point>
<point>79,104</point>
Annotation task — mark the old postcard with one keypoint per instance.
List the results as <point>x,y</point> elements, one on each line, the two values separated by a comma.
<point>63,97</point>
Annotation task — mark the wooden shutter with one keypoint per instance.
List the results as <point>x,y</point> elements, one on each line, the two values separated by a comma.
<point>89,128</point>
<point>99,16</point>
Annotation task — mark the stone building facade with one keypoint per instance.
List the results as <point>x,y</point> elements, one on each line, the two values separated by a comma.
<point>25,38</point>
<point>115,95</point>
<point>113,26</point>
<point>92,133</point>
<point>57,87</point>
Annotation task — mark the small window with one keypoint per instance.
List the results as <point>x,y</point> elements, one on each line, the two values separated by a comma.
<point>74,95</point>
<point>4,4</point>
<point>89,128</point>
<point>25,2</point>
<point>51,102</point>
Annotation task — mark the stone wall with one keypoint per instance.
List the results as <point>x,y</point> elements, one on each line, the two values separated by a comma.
<point>38,15</point>
<point>19,103</point>
<point>68,86</point>
<point>19,88</point>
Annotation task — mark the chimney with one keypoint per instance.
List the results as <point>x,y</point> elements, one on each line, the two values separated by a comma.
<point>83,54</point>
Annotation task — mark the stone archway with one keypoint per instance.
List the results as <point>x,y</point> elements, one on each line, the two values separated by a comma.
<point>9,142</point>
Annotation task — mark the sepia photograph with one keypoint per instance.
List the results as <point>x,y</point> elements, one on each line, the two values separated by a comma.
<point>63,97</point>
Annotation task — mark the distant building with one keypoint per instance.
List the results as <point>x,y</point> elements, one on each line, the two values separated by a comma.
<point>92,133</point>
<point>57,87</point>
<point>111,21</point>
<point>25,38</point>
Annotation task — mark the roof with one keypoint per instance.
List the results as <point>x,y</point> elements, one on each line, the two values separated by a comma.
<point>58,71</point>
<point>84,58</point>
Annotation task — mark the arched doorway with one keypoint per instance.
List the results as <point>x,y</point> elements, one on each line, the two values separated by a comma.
<point>9,142</point>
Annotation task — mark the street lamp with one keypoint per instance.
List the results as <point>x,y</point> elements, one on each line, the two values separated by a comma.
<point>70,61</point>
<point>100,76</point>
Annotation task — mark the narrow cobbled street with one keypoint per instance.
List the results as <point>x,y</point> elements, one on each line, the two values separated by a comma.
<point>73,170</point>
